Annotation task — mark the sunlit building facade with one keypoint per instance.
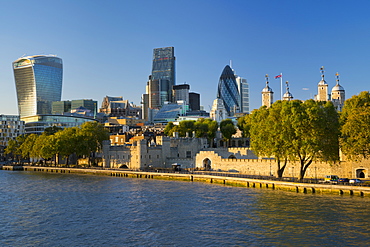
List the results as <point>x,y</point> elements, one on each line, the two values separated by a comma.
<point>38,123</point>
<point>10,127</point>
<point>38,81</point>
<point>228,91</point>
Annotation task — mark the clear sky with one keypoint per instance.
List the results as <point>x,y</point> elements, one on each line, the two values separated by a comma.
<point>107,46</point>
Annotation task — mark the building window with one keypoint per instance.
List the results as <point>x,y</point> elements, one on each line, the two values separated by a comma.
<point>188,154</point>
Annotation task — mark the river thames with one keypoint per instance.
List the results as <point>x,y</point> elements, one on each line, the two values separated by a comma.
<point>43,209</point>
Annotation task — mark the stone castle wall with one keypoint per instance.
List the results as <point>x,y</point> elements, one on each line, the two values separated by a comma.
<point>268,167</point>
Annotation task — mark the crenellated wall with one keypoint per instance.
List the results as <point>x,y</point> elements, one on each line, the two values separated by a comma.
<point>268,167</point>
<point>191,153</point>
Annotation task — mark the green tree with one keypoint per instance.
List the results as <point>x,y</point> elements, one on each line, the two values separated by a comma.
<point>244,124</point>
<point>201,128</point>
<point>52,130</point>
<point>43,147</point>
<point>355,127</point>
<point>206,128</point>
<point>170,129</point>
<point>314,132</point>
<point>212,130</point>
<point>227,129</point>
<point>186,126</point>
<point>66,143</point>
<point>293,130</point>
<point>271,134</point>
<point>90,137</point>
<point>26,147</point>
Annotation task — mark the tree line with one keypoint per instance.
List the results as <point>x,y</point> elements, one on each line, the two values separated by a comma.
<point>203,127</point>
<point>309,131</point>
<point>56,142</point>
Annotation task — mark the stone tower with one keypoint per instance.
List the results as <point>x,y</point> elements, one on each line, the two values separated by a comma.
<point>338,95</point>
<point>322,92</point>
<point>287,96</point>
<point>267,94</point>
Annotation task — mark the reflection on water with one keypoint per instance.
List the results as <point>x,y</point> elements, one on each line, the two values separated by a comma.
<point>39,209</point>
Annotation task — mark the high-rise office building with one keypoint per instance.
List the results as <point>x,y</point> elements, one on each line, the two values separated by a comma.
<point>228,91</point>
<point>194,101</point>
<point>244,94</point>
<point>61,107</point>
<point>163,71</point>
<point>181,92</point>
<point>243,88</point>
<point>38,81</point>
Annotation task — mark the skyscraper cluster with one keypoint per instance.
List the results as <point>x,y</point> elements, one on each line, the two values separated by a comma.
<point>38,81</point>
<point>161,88</point>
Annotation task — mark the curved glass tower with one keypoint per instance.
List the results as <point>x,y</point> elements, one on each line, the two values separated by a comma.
<point>228,90</point>
<point>38,81</point>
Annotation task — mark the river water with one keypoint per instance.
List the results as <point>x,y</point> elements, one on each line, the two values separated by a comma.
<point>43,209</point>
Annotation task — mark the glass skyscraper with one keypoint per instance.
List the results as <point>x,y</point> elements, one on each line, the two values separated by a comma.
<point>243,88</point>
<point>163,71</point>
<point>228,91</point>
<point>38,81</point>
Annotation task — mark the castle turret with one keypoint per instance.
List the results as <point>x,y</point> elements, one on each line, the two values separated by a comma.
<point>267,94</point>
<point>338,94</point>
<point>287,96</point>
<point>322,92</point>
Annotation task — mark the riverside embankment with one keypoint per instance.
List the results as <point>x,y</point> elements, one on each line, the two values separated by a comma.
<point>231,181</point>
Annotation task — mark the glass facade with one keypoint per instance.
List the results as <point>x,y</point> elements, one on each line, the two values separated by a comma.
<point>86,103</point>
<point>38,123</point>
<point>244,94</point>
<point>228,91</point>
<point>164,69</point>
<point>38,81</point>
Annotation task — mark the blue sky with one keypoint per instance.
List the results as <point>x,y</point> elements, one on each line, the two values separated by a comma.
<point>107,46</point>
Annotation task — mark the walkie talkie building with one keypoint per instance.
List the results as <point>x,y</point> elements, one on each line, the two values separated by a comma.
<point>38,81</point>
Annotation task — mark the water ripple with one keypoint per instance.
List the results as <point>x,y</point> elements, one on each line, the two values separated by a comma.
<point>40,209</point>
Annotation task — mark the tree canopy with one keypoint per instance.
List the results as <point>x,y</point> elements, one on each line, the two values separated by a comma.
<point>227,128</point>
<point>355,127</point>
<point>81,140</point>
<point>203,127</point>
<point>296,130</point>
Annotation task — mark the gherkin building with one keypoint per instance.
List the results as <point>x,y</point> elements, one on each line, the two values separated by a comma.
<point>228,91</point>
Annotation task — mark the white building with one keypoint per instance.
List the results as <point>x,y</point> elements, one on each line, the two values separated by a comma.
<point>10,127</point>
<point>218,111</point>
